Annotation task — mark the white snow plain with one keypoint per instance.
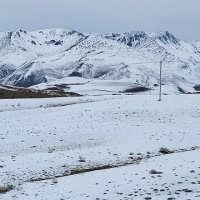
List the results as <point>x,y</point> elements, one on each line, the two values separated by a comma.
<point>46,145</point>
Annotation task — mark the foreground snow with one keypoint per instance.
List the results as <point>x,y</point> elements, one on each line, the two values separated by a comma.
<point>48,138</point>
<point>179,180</point>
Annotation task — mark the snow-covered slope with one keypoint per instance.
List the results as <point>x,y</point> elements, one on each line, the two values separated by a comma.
<point>31,58</point>
<point>47,144</point>
<point>159,45</point>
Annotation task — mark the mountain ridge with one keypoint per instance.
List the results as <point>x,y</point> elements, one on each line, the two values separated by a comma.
<point>31,58</point>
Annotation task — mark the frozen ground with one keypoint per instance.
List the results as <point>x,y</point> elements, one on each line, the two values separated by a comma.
<point>95,87</point>
<point>46,145</point>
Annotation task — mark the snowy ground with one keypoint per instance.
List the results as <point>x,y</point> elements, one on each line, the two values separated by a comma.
<point>95,87</point>
<point>44,143</point>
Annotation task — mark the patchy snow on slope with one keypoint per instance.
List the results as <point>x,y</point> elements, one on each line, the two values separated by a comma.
<point>90,86</point>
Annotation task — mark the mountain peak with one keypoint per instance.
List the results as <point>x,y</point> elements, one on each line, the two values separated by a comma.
<point>164,36</point>
<point>29,58</point>
<point>136,38</point>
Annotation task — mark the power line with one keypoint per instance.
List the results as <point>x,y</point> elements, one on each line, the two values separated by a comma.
<point>161,66</point>
<point>160,92</point>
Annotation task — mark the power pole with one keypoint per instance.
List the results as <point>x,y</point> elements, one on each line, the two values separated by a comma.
<point>160,92</point>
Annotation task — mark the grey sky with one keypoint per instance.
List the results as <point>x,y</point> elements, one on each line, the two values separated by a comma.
<point>181,17</point>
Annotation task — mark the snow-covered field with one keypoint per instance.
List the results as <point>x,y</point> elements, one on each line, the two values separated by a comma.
<point>46,145</point>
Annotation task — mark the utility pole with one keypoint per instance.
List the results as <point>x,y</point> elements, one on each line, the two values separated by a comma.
<point>160,92</point>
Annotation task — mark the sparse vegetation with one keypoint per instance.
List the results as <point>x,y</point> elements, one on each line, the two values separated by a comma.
<point>82,159</point>
<point>7,188</point>
<point>54,181</point>
<point>7,92</point>
<point>153,171</point>
<point>164,150</point>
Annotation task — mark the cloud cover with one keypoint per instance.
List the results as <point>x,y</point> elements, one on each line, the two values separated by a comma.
<point>181,17</point>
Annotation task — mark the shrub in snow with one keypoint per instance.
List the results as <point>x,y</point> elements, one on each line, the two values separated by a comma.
<point>81,159</point>
<point>153,171</point>
<point>165,150</point>
<point>7,188</point>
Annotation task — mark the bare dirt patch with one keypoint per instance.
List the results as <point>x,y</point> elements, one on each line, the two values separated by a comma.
<point>8,92</point>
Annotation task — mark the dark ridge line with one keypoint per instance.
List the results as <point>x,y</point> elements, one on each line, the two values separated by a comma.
<point>135,161</point>
<point>76,44</point>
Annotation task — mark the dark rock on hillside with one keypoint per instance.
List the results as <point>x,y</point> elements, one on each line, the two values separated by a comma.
<point>137,89</point>
<point>78,74</point>
<point>197,87</point>
<point>5,70</point>
<point>30,80</point>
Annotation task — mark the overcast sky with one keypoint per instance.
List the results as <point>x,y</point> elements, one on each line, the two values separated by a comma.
<point>180,17</point>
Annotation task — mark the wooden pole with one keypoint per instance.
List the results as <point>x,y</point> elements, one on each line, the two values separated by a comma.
<point>160,92</point>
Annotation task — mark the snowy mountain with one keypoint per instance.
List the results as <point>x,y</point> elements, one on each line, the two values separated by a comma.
<point>31,58</point>
<point>93,146</point>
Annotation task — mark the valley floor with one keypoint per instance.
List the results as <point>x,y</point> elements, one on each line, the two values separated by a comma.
<point>108,147</point>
